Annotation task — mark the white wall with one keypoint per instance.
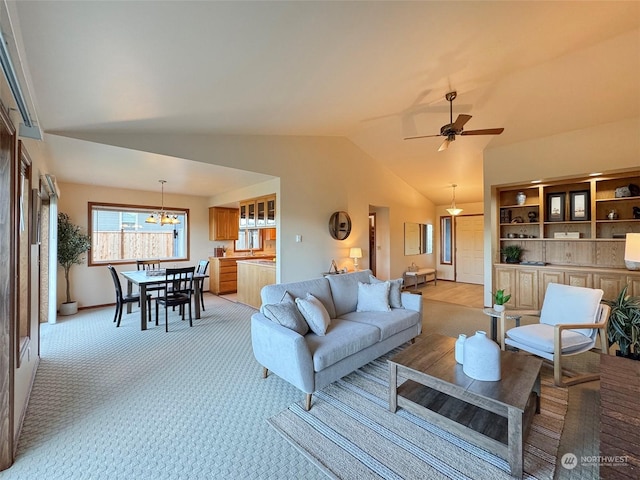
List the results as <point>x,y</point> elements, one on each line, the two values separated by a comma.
<point>605,148</point>
<point>318,176</point>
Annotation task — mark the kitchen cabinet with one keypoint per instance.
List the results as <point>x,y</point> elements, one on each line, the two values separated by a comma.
<point>223,223</point>
<point>252,276</point>
<point>258,212</point>
<point>224,273</point>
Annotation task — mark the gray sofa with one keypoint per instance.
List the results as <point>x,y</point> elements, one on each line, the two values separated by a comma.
<point>310,362</point>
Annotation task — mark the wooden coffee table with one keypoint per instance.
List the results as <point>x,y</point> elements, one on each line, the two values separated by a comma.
<point>492,415</point>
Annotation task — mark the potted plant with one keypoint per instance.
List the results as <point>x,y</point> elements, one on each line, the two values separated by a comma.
<point>624,324</point>
<point>512,253</point>
<point>499,299</point>
<point>72,245</point>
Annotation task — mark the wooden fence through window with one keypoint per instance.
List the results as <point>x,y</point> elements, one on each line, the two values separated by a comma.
<point>108,246</point>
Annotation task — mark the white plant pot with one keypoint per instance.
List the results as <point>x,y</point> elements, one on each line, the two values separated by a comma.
<point>498,308</point>
<point>70,308</point>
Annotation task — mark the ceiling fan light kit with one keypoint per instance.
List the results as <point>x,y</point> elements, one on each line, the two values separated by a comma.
<point>451,129</point>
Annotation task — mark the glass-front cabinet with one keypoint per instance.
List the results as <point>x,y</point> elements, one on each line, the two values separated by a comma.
<point>258,212</point>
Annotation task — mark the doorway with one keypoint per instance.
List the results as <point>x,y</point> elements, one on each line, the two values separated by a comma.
<point>470,249</point>
<point>372,243</point>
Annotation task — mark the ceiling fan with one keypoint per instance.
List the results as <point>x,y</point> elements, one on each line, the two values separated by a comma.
<point>452,129</point>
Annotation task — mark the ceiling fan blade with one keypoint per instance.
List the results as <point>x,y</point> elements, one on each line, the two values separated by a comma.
<point>460,121</point>
<point>444,145</point>
<point>421,136</point>
<point>487,131</point>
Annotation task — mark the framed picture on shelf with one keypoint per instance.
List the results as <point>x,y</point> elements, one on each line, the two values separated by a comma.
<point>555,207</point>
<point>580,205</point>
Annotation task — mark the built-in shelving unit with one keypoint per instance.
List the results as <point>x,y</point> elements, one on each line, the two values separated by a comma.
<point>572,230</point>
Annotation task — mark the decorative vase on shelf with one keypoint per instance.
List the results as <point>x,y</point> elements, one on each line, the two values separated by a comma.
<point>481,358</point>
<point>498,308</point>
<point>459,350</point>
<point>521,198</point>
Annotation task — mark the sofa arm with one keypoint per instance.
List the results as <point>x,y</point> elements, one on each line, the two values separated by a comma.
<point>282,351</point>
<point>411,301</point>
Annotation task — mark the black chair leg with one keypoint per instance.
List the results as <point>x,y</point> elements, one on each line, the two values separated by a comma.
<point>119,314</point>
<point>166,318</point>
<point>190,317</point>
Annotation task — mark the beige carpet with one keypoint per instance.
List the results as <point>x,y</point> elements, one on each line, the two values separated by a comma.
<point>350,433</point>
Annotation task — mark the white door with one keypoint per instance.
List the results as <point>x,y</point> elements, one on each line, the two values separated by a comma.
<point>470,249</point>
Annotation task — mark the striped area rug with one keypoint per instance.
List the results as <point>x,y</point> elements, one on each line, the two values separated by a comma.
<point>350,433</point>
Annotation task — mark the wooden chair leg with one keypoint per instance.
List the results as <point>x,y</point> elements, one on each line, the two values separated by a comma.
<point>307,402</point>
<point>265,372</point>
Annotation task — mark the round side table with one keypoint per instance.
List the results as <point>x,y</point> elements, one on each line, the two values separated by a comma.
<point>494,320</point>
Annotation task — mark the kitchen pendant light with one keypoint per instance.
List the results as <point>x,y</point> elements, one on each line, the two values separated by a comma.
<point>453,210</point>
<point>161,216</point>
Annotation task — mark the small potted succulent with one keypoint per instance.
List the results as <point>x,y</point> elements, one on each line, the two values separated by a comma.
<point>512,253</point>
<point>499,299</point>
<point>624,324</point>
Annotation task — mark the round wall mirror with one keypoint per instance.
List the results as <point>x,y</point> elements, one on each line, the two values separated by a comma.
<point>340,225</point>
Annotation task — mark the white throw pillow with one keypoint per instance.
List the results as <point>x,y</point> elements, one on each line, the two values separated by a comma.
<point>314,313</point>
<point>395,291</point>
<point>373,297</point>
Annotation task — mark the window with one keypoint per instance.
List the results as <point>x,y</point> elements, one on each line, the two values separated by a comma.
<point>120,234</point>
<point>248,239</point>
<point>446,240</point>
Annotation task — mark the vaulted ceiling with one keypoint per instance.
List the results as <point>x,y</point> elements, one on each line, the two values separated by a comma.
<point>374,72</point>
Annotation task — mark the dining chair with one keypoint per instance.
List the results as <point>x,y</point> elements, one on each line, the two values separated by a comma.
<point>571,320</point>
<point>151,265</point>
<point>178,290</point>
<point>202,269</point>
<point>122,300</point>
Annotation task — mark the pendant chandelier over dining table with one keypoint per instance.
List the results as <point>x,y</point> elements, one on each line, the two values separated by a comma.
<point>162,217</point>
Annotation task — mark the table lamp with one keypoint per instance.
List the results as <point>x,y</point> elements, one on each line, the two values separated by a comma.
<point>632,251</point>
<point>355,253</point>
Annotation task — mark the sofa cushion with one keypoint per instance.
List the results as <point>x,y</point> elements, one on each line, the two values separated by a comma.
<point>314,313</point>
<point>286,313</point>
<point>342,340</point>
<point>344,289</point>
<point>388,323</point>
<point>395,298</point>
<point>318,287</point>
<point>373,297</point>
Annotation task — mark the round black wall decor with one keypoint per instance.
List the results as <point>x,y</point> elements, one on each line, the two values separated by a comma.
<point>340,225</point>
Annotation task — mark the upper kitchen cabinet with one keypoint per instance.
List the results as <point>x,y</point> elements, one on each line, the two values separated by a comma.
<point>223,223</point>
<point>258,212</point>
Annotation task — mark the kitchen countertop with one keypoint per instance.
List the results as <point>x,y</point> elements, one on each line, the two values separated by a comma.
<point>257,261</point>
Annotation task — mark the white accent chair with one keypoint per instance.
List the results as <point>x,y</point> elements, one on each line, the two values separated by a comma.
<point>570,321</point>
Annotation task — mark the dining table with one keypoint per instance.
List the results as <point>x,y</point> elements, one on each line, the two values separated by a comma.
<point>142,279</point>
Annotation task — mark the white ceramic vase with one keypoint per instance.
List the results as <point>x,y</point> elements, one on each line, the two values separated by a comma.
<point>521,198</point>
<point>498,308</point>
<point>459,350</point>
<point>481,359</point>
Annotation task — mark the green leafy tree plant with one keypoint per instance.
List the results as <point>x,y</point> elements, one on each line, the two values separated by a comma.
<point>624,323</point>
<point>72,245</point>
